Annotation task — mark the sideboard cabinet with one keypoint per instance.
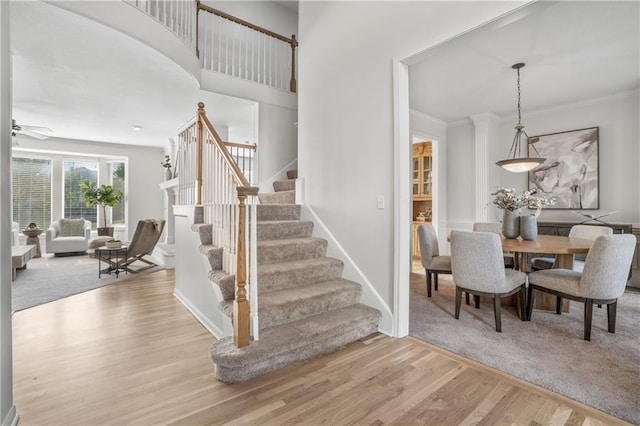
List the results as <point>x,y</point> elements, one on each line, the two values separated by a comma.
<point>563,228</point>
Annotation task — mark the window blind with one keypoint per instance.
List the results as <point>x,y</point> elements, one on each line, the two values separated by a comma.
<point>31,191</point>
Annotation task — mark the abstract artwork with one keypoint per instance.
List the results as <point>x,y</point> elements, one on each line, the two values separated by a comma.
<point>570,172</point>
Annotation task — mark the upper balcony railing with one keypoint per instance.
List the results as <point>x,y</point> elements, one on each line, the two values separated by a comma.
<point>178,15</point>
<point>227,44</point>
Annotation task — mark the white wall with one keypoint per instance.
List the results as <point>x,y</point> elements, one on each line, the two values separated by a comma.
<point>277,144</point>
<point>619,153</point>
<point>266,14</point>
<point>345,150</point>
<point>144,172</point>
<point>8,414</point>
<point>461,172</point>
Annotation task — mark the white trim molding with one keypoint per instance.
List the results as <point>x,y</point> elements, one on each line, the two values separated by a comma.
<point>12,418</point>
<point>487,127</point>
<point>208,324</point>
<point>401,199</point>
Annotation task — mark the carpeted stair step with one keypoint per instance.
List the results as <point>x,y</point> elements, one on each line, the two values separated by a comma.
<point>284,275</point>
<point>295,341</point>
<point>284,306</point>
<point>283,197</point>
<point>273,251</point>
<point>205,232</point>
<point>226,283</point>
<point>284,185</point>
<point>292,174</point>
<point>282,229</point>
<point>213,254</point>
<point>278,212</point>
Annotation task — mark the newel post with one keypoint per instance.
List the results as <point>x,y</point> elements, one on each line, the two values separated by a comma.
<point>199,148</point>
<point>292,83</point>
<point>241,304</point>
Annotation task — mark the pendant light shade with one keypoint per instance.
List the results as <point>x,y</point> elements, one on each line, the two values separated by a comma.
<point>515,162</point>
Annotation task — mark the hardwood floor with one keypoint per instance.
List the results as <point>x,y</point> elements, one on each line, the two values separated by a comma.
<point>129,353</point>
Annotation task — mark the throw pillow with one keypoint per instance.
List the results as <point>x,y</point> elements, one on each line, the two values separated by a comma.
<point>71,227</point>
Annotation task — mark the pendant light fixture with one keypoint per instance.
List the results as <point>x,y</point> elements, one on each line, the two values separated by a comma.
<point>515,162</point>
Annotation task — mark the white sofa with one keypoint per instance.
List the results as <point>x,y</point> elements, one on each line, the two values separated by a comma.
<point>68,236</point>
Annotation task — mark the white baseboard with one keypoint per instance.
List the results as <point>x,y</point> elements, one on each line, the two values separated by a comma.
<point>12,417</point>
<point>370,295</point>
<point>213,329</point>
<point>267,185</point>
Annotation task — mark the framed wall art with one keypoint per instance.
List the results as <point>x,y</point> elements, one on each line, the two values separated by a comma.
<point>570,173</point>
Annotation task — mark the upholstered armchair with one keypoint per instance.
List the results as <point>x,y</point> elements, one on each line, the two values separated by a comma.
<point>432,262</point>
<point>602,281</point>
<point>144,240</point>
<point>68,237</point>
<point>478,268</point>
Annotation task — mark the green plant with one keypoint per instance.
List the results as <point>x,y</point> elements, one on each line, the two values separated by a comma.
<point>103,196</point>
<point>167,162</point>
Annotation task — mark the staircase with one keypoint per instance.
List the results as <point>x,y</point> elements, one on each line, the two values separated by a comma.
<point>305,307</point>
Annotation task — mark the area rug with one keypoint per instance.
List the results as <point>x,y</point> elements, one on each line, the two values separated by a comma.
<point>548,351</point>
<point>51,278</point>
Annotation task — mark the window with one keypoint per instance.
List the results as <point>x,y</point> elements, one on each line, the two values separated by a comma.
<point>76,171</point>
<point>31,191</point>
<point>117,171</point>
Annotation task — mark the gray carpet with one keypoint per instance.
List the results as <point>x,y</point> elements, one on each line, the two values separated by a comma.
<point>548,351</point>
<point>51,278</point>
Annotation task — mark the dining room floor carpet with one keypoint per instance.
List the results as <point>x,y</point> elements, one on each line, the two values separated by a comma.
<point>548,351</point>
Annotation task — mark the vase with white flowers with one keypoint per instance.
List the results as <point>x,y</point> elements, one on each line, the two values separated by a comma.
<point>168,174</point>
<point>511,202</point>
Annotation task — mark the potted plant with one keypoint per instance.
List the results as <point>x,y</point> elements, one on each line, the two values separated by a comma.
<point>168,174</point>
<point>103,196</point>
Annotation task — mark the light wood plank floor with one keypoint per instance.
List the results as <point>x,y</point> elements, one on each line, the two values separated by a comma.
<point>131,354</point>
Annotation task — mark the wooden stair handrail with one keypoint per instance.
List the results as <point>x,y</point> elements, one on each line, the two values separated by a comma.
<point>293,42</point>
<point>241,308</point>
<point>251,146</point>
<point>241,180</point>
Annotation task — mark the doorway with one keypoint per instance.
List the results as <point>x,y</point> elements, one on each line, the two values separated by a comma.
<point>423,201</point>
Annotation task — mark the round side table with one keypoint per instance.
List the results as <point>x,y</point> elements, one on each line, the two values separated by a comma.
<point>32,239</point>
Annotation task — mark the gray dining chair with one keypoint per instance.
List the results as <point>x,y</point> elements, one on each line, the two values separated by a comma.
<point>432,262</point>
<point>587,232</point>
<point>602,280</point>
<point>478,268</point>
<point>496,228</point>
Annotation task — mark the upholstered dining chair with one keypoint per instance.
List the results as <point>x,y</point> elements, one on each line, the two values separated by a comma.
<point>432,262</point>
<point>587,232</point>
<point>496,228</point>
<point>602,280</point>
<point>478,268</point>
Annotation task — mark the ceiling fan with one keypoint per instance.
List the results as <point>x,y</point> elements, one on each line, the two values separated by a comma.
<point>33,131</point>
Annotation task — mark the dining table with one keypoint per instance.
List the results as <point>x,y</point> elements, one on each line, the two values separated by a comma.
<point>564,248</point>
